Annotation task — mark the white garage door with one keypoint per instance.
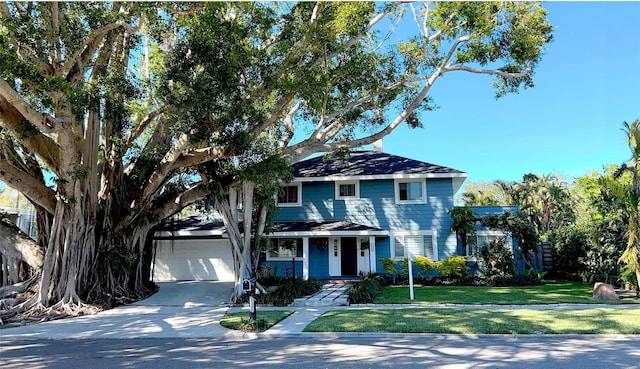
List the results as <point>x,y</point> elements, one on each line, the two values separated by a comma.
<point>193,260</point>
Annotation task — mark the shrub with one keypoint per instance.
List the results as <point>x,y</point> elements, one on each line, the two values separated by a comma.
<point>496,257</point>
<point>505,280</point>
<point>267,275</point>
<point>481,281</point>
<point>389,265</point>
<point>570,245</point>
<point>287,290</point>
<point>364,291</point>
<point>421,266</point>
<point>381,278</point>
<point>453,266</point>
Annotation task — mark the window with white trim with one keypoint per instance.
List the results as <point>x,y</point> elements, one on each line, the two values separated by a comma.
<point>290,195</point>
<point>347,190</point>
<point>410,191</point>
<point>422,243</point>
<point>285,248</point>
<point>482,238</point>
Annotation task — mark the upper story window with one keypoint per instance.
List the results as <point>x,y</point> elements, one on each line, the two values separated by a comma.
<point>410,191</point>
<point>290,195</point>
<point>346,190</point>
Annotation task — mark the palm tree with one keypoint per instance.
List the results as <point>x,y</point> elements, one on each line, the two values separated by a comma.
<point>631,255</point>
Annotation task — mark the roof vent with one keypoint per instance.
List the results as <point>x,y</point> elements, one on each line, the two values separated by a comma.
<point>377,146</point>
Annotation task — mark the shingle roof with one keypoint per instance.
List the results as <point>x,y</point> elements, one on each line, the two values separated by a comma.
<point>369,163</point>
<point>192,223</point>
<point>328,226</point>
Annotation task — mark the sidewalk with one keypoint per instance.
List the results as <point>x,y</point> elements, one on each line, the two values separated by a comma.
<point>157,317</point>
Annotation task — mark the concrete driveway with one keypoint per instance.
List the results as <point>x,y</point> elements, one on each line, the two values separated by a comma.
<point>189,294</point>
<point>178,309</point>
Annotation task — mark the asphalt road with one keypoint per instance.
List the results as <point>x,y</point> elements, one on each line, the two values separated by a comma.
<point>327,351</point>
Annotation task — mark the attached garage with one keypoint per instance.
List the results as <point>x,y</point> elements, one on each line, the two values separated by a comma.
<point>192,250</point>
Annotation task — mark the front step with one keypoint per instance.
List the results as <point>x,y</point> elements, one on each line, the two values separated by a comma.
<point>329,295</point>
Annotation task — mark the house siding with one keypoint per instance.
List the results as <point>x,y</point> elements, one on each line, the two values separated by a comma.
<point>377,207</point>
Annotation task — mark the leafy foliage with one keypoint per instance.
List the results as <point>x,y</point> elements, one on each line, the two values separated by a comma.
<point>390,266</point>
<point>285,291</point>
<point>497,258</point>
<point>571,245</point>
<point>464,224</point>
<point>518,226</point>
<point>365,291</point>
<point>453,266</point>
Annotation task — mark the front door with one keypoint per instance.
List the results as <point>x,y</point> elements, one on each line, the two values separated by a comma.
<point>349,256</point>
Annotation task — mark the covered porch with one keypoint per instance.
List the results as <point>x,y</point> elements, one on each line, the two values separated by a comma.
<point>323,250</point>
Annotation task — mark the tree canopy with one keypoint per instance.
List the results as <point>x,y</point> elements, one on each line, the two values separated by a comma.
<point>114,116</point>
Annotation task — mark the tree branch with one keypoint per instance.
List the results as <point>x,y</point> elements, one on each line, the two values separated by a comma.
<point>90,43</point>
<point>144,123</point>
<point>25,183</point>
<point>38,144</point>
<point>495,72</point>
<point>44,122</point>
<point>165,209</point>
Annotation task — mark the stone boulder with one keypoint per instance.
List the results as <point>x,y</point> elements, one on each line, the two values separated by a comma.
<point>604,292</point>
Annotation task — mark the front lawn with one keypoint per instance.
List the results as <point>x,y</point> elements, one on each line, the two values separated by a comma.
<point>264,320</point>
<point>466,321</point>
<point>550,293</point>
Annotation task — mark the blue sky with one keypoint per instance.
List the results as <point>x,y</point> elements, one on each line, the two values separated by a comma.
<point>570,123</point>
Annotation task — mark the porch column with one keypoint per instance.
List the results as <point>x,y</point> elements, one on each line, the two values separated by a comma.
<point>372,254</point>
<point>305,258</point>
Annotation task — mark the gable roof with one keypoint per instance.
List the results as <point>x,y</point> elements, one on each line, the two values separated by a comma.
<point>365,165</point>
<point>190,227</point>
<point>325,228</point>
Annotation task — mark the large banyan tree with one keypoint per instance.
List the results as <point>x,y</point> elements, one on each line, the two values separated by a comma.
<point>115,116</point>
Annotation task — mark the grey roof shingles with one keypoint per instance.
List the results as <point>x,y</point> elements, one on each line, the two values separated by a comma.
<point>312,226</point>
<point>368,163</point>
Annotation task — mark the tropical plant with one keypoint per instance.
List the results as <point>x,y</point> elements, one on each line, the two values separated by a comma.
<point>464,225</point>
<point>364,291</point>
<point>630,195</point>
<point>497,258</point>
<point>521,230</point>
<point>570,245</point>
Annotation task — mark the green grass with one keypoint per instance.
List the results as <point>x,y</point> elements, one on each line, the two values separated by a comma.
<point>463,321</point>
<point>550,293</point>
<point>264,320</point>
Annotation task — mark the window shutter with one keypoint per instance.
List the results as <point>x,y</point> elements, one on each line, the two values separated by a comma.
<point>415,245</point>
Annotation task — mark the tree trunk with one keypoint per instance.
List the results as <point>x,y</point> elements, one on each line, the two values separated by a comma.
<point>243,242</point>
<point>16,245</point>
<point>76,270</point>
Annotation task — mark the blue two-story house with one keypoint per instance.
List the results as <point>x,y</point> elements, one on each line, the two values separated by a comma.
<point>338,218</point>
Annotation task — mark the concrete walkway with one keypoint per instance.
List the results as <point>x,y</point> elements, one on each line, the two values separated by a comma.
<point>329,295</point>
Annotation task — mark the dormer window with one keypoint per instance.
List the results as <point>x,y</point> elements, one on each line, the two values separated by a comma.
<point>290,195</point>
<point>410,191</point>
<point>347,190</point>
